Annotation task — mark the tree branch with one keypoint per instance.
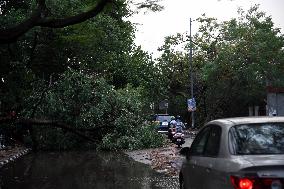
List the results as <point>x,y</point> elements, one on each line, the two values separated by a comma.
<point>10,35</point>
<point>38,18</point>
<point>54,124</point>
<point>61,23</point>
<point>50,123</point>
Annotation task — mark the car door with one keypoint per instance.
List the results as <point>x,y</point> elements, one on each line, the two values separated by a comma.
<point>193,176</point>
<point>205,161</point>
<point>208,160</point>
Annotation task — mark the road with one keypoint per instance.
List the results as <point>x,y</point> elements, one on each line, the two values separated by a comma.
<point>88,170</point>
<point>81,170</point>
<point>188,142</point>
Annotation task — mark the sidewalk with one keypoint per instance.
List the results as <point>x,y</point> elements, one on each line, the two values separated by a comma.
<point>11,154</point>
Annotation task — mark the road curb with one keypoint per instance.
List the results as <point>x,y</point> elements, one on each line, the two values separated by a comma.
<point>14,155</point>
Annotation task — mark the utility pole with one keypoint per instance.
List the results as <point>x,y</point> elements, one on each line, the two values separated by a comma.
<point>191,74</point>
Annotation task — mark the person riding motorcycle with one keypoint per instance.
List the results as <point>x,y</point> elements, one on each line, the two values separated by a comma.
<point>178,136</point>
<point>173,121</point>
<point>172,127</point>
<point>179,124</point>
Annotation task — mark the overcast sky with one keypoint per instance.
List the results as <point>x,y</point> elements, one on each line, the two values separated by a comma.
<point>153,27</point>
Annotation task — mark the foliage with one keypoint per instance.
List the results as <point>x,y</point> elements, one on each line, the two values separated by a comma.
<point>89,76</point>
<point>244,55</point>
<point>145,136</point>
<point>84,102</point>
<point>174,75</point>
<point>152,5</point>
<point>234,61</point>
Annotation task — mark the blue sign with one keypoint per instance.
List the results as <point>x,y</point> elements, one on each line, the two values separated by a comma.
<point>191,104</point>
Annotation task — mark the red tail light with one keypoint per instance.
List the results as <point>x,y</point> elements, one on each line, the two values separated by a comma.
<point>242,183</point>
<point>245,183</point>
<point>256,182</point>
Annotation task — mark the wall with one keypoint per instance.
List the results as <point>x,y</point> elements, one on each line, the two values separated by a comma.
<point>275,104</point>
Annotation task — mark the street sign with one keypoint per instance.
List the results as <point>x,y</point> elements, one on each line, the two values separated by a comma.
<point>191,105</point>
<point>163,105</point>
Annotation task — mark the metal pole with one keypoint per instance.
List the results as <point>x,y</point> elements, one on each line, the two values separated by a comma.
<point>191,75</point>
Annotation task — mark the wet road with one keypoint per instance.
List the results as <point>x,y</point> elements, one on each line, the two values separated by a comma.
<point>81,170</point>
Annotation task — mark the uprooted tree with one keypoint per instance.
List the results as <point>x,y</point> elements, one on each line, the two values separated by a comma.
<point>83,78</point>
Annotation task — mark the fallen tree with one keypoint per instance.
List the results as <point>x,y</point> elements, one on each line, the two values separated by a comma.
<point>30,123</point>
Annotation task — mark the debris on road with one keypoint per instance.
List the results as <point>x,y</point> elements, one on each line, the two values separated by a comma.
<point>165,160</point>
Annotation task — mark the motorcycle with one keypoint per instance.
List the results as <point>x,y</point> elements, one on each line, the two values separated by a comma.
<point>178,139</point>
<point>171,132</point>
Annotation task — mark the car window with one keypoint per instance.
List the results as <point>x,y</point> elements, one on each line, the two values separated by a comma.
<point>163,118</point>
<point>213,143</point>
<point>199,143</point>
<point>250,139</point>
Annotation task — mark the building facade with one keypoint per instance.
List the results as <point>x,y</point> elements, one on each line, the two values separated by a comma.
<point>275,101</point>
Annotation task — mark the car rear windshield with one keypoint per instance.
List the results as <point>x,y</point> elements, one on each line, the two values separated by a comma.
<point>163,118</point>
<point>264,138</point>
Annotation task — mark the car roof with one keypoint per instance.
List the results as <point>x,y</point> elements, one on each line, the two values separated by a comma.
<point>162,115</point>
<point>246,120</point>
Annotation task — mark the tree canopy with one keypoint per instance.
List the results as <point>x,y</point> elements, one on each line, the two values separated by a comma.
<point>234,62</point>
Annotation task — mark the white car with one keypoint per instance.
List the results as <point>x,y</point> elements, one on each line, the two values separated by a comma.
<point>236,153</point>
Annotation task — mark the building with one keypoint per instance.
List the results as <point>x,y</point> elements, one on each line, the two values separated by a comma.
<point>275,101</point>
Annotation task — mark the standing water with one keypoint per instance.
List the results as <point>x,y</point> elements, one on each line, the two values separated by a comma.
<point>81,170</point>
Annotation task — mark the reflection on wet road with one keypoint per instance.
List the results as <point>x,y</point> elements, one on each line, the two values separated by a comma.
<point>81,170</point>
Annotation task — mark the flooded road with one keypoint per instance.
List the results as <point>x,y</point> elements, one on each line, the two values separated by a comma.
<point>81,170</point>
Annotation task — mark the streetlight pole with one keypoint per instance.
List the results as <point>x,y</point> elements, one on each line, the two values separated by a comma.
<point>191,74</point>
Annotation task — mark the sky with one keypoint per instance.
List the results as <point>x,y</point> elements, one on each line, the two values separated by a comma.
<point>152,27</point>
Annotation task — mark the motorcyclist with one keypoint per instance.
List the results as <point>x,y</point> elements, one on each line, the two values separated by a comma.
<point>179,124</point>
<point>173,121</point>
<point>172,127</point>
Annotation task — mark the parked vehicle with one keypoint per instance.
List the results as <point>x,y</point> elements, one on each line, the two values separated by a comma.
<point>236,153</point>
<point>162,121</point>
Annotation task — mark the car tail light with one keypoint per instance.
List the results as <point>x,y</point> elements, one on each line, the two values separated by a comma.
<point>245,183</point>
<point>256,182</point>
<point>242,183</point>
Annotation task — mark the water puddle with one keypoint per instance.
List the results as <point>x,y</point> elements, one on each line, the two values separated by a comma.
<point>82,170</point>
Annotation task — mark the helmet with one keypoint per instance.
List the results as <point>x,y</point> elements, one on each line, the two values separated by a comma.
<point>173,118</point>
<point>178,117</point>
